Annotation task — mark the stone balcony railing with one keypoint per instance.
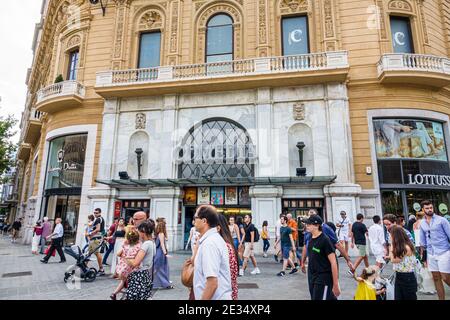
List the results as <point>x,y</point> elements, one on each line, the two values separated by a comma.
<point>68,93</point>
<point>414,68</point>
<point>36,115</point>
<point>240,70</point>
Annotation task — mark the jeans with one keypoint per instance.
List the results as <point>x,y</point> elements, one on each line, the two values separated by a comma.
<point>266,245</point>
<point>236,245</point>
<point>43,243</point>
<point>110,249</point>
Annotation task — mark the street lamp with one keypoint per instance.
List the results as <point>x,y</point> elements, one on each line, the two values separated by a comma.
<point>301,172</point>
<point>103,4</point>
<point>139,153</point>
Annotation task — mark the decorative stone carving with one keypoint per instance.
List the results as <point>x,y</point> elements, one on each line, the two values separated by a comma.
<point>400,5</point>
<point>293,6</point>
<point>74,41</point>
<point>262,6</point>
<point>141,121</point>
<point>150,20</point>
<point>174,28</point>
<point>299,111</point>
<point>423,20</point>
<point>120,22</point>
<point>383,33</point>
<point>329,21</point>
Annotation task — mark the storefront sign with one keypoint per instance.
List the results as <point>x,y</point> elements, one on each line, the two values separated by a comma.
<point>417,207</point>
<point>429,179</point>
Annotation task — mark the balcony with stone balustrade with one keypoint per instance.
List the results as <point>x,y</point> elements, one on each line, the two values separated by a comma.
<point>60,96</point>
<point>32,126</point>
<point>416,69</point>
<point>314,68</point>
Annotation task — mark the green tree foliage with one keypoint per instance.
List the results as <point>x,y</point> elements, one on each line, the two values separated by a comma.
<point>59,79</point>
<point>7,147</point>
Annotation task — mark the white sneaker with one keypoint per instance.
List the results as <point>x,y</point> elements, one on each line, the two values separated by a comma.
<point>241,272</point>
<point>255,271</point>
<point>265,255</point>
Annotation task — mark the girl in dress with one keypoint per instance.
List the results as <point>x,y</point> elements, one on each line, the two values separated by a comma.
<point>36,238</point>
<point>130,249</point>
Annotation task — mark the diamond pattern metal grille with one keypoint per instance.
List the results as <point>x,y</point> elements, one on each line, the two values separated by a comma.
<point>217,132</point>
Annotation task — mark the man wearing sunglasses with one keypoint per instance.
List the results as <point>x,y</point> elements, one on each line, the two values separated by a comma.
<point>435,238</point>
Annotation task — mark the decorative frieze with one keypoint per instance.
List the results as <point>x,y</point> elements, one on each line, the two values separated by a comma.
<point>400,5</point>
<point>293,6</point>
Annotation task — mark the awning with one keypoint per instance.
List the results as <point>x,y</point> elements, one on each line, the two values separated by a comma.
<point>205,182</point>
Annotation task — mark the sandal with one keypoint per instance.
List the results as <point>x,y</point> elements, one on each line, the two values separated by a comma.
<point>113,296</point>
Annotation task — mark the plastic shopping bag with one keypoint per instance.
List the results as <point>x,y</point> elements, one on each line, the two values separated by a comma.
<point>365,291</point>
<point>427,285</point>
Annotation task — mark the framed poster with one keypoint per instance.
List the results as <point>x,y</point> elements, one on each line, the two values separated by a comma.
<point>244,196</point>
<point>203,195</point>
<point>190,196</point>
<point>217,196</point>
<point>231,196</point>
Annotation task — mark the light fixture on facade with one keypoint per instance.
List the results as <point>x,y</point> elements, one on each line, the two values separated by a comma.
<point>123,175</point>
<point>103,4</point>
<point>139,153</point>
<point>301,172</point>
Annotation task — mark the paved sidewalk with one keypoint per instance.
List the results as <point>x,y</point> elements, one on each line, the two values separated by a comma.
<point>46,280</point>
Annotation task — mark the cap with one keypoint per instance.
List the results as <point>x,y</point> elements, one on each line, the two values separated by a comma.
<point>314,219</point>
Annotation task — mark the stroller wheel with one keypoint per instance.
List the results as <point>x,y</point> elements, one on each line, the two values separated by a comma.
<point>90,275</point>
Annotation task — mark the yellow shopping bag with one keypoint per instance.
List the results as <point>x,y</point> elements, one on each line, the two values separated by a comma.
<point>365,291</point>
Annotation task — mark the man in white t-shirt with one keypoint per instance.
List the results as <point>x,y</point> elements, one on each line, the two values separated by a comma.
<point>212,275</point>
<point>377,241</point>
<point>278,226</point>
<point>343,233</point>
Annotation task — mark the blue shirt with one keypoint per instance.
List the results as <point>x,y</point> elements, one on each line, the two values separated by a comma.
<point>326,229</point>
<point>435,237</point>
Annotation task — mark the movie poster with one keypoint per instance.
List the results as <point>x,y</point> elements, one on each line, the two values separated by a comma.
<point>231,196</point>
<point>409,139</point>
<point>203,195</point>
<point>217,196</point>
<point>244,196</point>
<point>190,196</point>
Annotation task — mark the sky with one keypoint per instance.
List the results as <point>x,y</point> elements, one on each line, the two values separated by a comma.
<point>17,23</point>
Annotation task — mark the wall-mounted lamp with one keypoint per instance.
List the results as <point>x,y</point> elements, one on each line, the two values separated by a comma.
<point>123,175</point>
<point>103,4</point>
<point>139,153</point>
<point>301,172</point>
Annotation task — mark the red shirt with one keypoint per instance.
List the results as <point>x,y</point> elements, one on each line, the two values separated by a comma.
<point>112,229</point>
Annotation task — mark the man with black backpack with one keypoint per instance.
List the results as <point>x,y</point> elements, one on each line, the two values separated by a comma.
<point>251,236</point>
<point>96,238</point>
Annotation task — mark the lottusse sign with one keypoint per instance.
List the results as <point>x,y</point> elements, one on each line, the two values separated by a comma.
<point>429,179</point>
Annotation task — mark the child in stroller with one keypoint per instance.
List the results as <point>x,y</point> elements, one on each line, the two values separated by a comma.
<point>82,260</point>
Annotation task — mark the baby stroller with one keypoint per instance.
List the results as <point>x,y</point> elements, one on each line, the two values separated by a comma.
<point>81,269</point>
<point>385,282</point>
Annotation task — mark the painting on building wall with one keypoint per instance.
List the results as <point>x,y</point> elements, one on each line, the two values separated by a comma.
<point>409,139</point>
<point>217,196</point>
<point>190,196</point>
<point>231,196</point>
<point>203,195</point>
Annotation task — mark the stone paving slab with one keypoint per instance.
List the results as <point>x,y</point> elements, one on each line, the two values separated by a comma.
<point>46,281</point>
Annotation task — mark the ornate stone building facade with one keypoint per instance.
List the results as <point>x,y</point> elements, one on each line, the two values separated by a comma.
<point>252,105</point>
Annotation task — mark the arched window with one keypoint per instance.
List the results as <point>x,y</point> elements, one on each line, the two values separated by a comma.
<point>219,38</point>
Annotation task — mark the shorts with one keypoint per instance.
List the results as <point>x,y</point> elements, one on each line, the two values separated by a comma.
<point>94,244</point>
<point>247,251</point>
<point>439,263</point>
<point>361,250</point>
<point>343,236</point>
<point>286,250</point>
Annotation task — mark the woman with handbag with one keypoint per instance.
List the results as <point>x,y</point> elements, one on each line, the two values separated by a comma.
<point>140,282</point>
<point>37,232</point>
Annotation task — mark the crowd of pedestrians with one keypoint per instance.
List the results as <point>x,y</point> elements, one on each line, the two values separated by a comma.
<point>222,248</point>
